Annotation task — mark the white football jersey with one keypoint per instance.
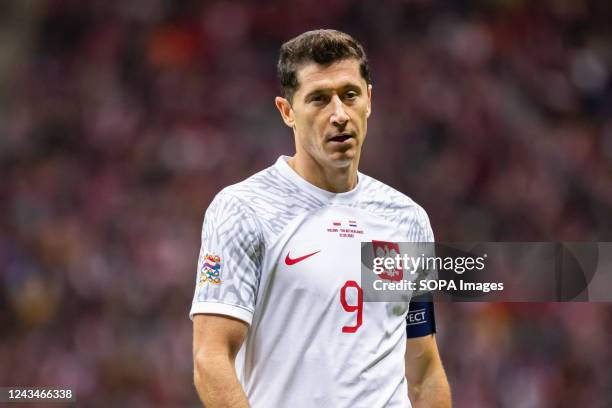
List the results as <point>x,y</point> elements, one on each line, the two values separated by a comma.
<point>284,256</point>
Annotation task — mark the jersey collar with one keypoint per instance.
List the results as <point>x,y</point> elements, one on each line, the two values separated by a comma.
<point>286,170</point>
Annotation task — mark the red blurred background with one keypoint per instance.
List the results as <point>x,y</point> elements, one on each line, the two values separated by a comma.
<point>120,120</point>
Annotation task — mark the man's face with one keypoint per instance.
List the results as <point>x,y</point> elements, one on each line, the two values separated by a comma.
<point>330,111</point>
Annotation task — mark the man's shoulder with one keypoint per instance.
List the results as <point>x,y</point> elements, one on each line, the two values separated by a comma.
<point>270,197</point>
<point>256,184</point>
<point>377,191</point>
<point>385,200</point>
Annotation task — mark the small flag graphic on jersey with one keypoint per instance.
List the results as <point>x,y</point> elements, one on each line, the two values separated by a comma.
<point>352,223</point>
<point>211,270</point>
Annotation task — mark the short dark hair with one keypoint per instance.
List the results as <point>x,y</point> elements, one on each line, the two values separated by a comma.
<point>323,47</point>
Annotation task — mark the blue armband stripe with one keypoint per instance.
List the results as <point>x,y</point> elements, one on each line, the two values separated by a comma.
<point>420,319</point>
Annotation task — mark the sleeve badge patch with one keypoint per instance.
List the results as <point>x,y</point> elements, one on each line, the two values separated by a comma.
<point>210,271</point>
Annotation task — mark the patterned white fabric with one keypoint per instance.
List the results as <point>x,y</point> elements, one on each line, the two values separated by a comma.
<point>296,353</point>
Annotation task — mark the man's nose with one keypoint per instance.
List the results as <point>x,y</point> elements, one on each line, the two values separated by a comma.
<point>339,117</point>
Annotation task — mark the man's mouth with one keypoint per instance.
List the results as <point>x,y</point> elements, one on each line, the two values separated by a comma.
<point>340,138</point>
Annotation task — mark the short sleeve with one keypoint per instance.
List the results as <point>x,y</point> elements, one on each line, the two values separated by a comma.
<point>420,320</point>
<point>419,228</point>
<point>229,263</point>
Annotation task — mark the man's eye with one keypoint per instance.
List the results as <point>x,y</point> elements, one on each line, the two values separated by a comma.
<point>317,98</point>
<point>350,95</point>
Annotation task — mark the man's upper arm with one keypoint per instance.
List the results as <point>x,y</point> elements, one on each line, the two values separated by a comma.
<point>421,356</point>
<point>427,382</point>
<point>217,335</point>
<point>216,341</point>
<point>421,348</point>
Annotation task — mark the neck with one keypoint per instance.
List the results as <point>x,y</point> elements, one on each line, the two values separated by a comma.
<point>333,179</point>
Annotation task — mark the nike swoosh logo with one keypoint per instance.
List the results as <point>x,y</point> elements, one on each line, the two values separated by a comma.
<point>290,261</point>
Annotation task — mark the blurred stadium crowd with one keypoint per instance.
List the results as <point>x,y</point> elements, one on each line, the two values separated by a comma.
<point>120,120</point>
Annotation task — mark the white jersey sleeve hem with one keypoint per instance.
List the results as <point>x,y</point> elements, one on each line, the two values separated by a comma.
<point>222,309</point>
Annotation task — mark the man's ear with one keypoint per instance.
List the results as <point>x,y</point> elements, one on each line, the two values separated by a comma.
<point>284,107</point>
<point>369,100</point>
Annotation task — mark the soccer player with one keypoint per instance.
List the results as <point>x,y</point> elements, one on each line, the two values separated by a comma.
<point>278,313</point>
